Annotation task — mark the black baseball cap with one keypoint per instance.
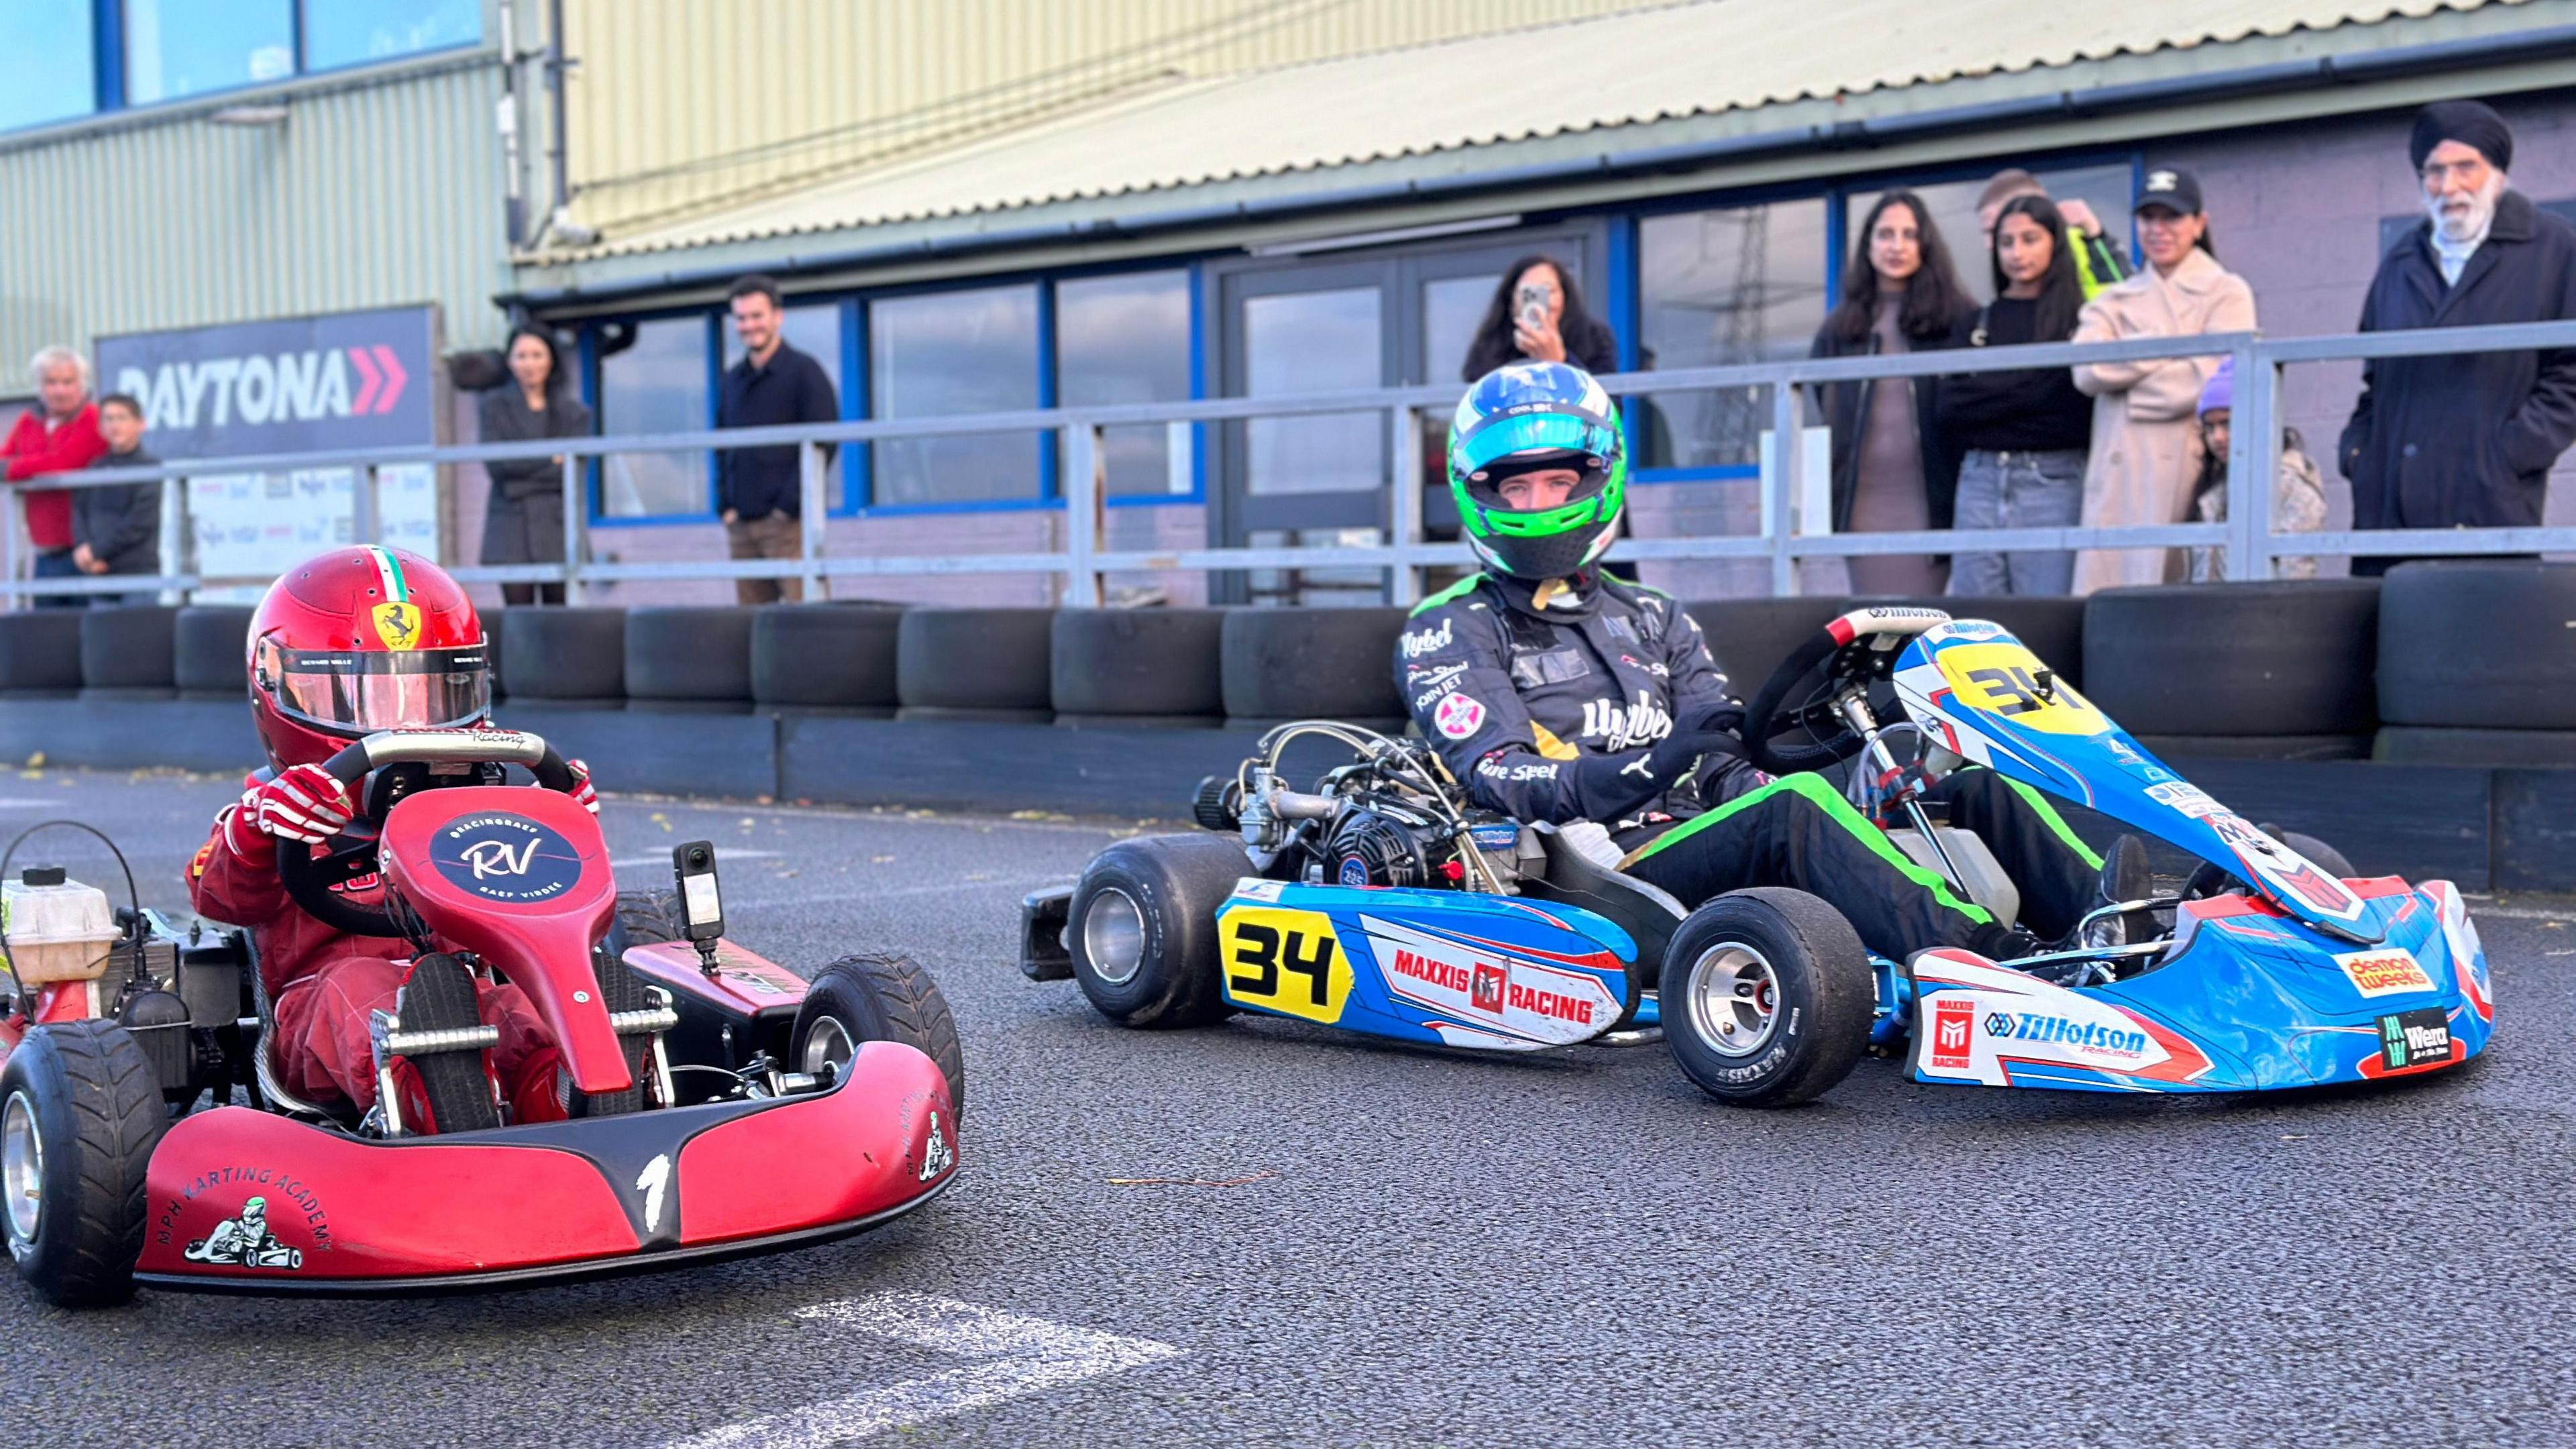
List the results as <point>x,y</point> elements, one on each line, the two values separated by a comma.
<point>2174,189</point>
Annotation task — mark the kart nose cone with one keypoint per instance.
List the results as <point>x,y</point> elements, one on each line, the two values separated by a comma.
<point>1113,935</point>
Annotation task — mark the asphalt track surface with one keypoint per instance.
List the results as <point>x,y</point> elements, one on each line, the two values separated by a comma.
<point>1419,1248</point>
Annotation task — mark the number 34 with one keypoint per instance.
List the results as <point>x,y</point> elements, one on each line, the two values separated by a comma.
<point>1269,951</point>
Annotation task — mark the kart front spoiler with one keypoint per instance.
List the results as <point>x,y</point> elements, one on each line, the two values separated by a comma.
<point>243,1201</point>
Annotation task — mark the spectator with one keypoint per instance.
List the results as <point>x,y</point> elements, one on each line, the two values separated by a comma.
<point>2146,444</point>
<point>116,528</point>
<point>523,521</point>
<point>1538,313</point>
<point>61,436</point>
<point>1891,471</point>
<point>2025,432</point>
<point>2298,492</point>
<point>2464,440</point>
<point>757,489</point>
<point>2098,261</point>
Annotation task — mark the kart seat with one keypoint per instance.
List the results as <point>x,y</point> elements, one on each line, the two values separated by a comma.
<point>272,1089</point>
<point>1647,913</point>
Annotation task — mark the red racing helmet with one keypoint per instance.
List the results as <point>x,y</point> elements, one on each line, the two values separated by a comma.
<point>358,640</point>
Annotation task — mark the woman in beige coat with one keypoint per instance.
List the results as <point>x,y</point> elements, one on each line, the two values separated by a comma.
<point>2146,457</point>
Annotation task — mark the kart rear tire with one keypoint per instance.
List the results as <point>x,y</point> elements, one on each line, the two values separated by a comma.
<point>80,1109</point>
<point>2320,853</point>
<point>644,918</point>
<point>1156,896</point>
<point>870,997</point>
<point>1820,986</point>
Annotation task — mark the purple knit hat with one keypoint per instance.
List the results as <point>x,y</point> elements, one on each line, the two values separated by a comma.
<point>2220,390</point>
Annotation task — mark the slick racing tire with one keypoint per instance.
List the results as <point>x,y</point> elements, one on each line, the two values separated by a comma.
<point>1142,929</point>
<point>870,997</point>
<point>1766,997</point>
<point>644,918</point>
<point>2324,855</point>
<point>80,1112</point>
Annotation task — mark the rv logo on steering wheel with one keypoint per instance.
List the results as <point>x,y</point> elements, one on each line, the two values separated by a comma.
<point>505,858</point>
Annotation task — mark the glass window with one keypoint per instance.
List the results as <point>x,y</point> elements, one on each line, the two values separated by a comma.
<point>1746,284</point>
<point>658,385</point>
<point>45,69</point>
<point>1126,339</point>
<point>176,48</point>
<point>1303,342</point>
<point>1953,205</point>
<point>816,332</point>
<point>353,32</point>
<point>1451,308</point>
<point>946,354</point>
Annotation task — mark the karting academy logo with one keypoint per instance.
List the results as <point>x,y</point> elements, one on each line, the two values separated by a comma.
<point>1954,1030</point>
<point>245,1242</point>
<point>1619,727</point>
<point>936,1155</point>
<point>505,858</point>
<point>2089,1036</point>
<point>1426,641</point>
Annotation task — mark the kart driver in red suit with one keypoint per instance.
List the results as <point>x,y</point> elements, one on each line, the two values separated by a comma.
<point>345,644</point>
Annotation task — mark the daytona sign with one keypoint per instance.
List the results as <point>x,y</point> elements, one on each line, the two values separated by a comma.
<point>344,380</point>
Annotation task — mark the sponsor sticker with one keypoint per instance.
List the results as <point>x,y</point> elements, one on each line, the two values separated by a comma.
<point>1354,871</point>
<point>2419,1038</point>
<point>1529,999</point>
<point>1620,726</point>
<point>2384,973</point>
<point>1254,889</point>
<point>505,858</point>
<point>1954,1030</point>
<point>1419,642</point>
<point>1493,768</point>
<point>1459,716</point>
<point>2186,797</point>
<point>248,1238</point>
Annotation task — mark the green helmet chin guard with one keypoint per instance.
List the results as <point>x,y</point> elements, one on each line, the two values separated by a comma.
<point>1524,418</point>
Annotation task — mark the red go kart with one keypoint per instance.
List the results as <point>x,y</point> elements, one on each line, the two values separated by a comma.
<point>719,1104</point>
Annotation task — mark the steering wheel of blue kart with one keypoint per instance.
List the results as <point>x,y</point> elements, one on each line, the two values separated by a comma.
<point>310,879</point>
<point>1860,648</point>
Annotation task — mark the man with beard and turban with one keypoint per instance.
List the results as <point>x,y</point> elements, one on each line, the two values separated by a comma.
<point>2465,440</point>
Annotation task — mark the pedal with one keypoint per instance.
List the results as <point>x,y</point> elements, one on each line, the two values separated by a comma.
<point>437,1027</point>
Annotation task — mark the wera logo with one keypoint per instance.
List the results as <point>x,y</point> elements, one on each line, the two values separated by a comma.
<point>283,387</point>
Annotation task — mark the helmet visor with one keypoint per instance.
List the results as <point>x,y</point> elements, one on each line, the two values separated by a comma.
<point>1536,434</point>
<point>357,692</point>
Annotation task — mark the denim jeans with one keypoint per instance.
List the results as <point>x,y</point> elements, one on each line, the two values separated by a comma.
<point>57,564</point>
<point>2018,490</point>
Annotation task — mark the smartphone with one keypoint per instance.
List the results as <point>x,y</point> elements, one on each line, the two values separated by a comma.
<point>1532,306</point>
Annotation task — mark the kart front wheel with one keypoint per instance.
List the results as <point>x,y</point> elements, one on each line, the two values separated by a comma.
<point>80,1112</point>
<point>1142,929</point>
<point>1766,997</point>
<point>865,998</point>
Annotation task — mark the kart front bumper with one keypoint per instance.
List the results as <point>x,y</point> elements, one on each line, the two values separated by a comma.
<point>245,1201</point>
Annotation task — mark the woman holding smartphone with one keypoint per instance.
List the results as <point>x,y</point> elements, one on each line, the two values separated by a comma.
<point>1537,315</point>
<point>1891,471</point>
<point>2025,433</point>
<point>524,521</point>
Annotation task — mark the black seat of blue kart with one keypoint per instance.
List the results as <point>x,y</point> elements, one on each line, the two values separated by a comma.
<point>1647,913</point>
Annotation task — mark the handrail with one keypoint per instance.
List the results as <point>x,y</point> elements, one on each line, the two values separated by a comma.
<point>2246,534</point>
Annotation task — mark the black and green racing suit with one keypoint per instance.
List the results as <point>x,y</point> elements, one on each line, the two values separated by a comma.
<point>1553,713</point>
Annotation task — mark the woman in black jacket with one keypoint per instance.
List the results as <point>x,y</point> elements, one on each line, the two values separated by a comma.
<point>1537,315</point>
<point>525,522</point>
<point>1891,471</point>
<point>2024,435</point>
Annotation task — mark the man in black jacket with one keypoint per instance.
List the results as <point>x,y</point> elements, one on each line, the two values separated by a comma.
<point>2465,440</point>
<point>117,529</point>
<point>758,491</point>
<point>1555,692</point>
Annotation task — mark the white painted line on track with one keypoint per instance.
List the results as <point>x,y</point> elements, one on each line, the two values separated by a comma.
<point>1015,1355</point>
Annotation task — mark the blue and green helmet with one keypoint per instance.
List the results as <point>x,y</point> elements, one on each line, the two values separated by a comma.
<point>1523,418</point>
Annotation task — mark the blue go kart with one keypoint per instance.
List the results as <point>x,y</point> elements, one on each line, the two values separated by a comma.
<point>1381,902</point>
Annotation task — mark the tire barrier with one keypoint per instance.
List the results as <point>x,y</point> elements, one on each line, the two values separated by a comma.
<point>2257,747</point>
<point>40,651</point>
<point>825,658</point>
<point>2484,644</point>
<point>689,660</point>
<point>1749,637</point>
<point>2235,660</point>
<point>209,651</point>
<point>126,651</point>
<point>1284,664</point>
<point>974,664</point>
<point>1137,668</point>
<point>564,656</point>
<point>2433,745</point>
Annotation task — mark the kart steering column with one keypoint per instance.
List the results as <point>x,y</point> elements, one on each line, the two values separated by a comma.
<point>1854,707</point>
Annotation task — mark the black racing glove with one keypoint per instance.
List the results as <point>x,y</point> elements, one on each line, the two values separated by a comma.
<point>1610,786</point>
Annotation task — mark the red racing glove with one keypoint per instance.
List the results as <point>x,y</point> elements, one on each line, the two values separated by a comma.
<point>582,792</point>
<point>304,804</point>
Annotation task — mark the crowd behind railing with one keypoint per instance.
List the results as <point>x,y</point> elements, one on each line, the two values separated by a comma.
<point>1960,459</point>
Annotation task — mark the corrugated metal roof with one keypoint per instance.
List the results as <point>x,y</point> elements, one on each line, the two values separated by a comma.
<point>1629,69</point>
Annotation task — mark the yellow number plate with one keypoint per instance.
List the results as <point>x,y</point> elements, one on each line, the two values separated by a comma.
<point>1283,960</point>
<point>2005,680</point>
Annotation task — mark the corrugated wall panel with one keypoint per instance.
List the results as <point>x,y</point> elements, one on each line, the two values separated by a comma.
<point>681,105</point>
<point>373,195</point>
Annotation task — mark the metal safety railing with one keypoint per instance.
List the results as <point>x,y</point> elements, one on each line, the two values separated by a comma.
<point>1782,538</point>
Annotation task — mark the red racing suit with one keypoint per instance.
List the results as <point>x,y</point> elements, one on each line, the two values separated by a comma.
<point>322,982</point>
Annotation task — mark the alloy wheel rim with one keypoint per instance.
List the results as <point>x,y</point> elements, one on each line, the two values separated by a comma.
<point>827,1044</point>
<point>1734,1000</point>
<point>1113,935</point>
<point>22,1167</point>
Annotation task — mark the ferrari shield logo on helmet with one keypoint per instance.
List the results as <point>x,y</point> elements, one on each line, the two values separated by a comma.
<point>397,624</point>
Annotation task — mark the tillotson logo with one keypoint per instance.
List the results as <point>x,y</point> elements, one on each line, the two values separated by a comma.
<point>2060,1031</point>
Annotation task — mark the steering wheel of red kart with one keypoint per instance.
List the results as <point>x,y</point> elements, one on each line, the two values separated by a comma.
<point>309,878</point>
<point>1859,648</point>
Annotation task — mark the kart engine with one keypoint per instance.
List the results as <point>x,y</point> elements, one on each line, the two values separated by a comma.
<point>1393,818</point>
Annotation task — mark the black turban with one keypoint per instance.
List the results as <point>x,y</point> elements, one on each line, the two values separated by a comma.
<point>2471,123</point>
